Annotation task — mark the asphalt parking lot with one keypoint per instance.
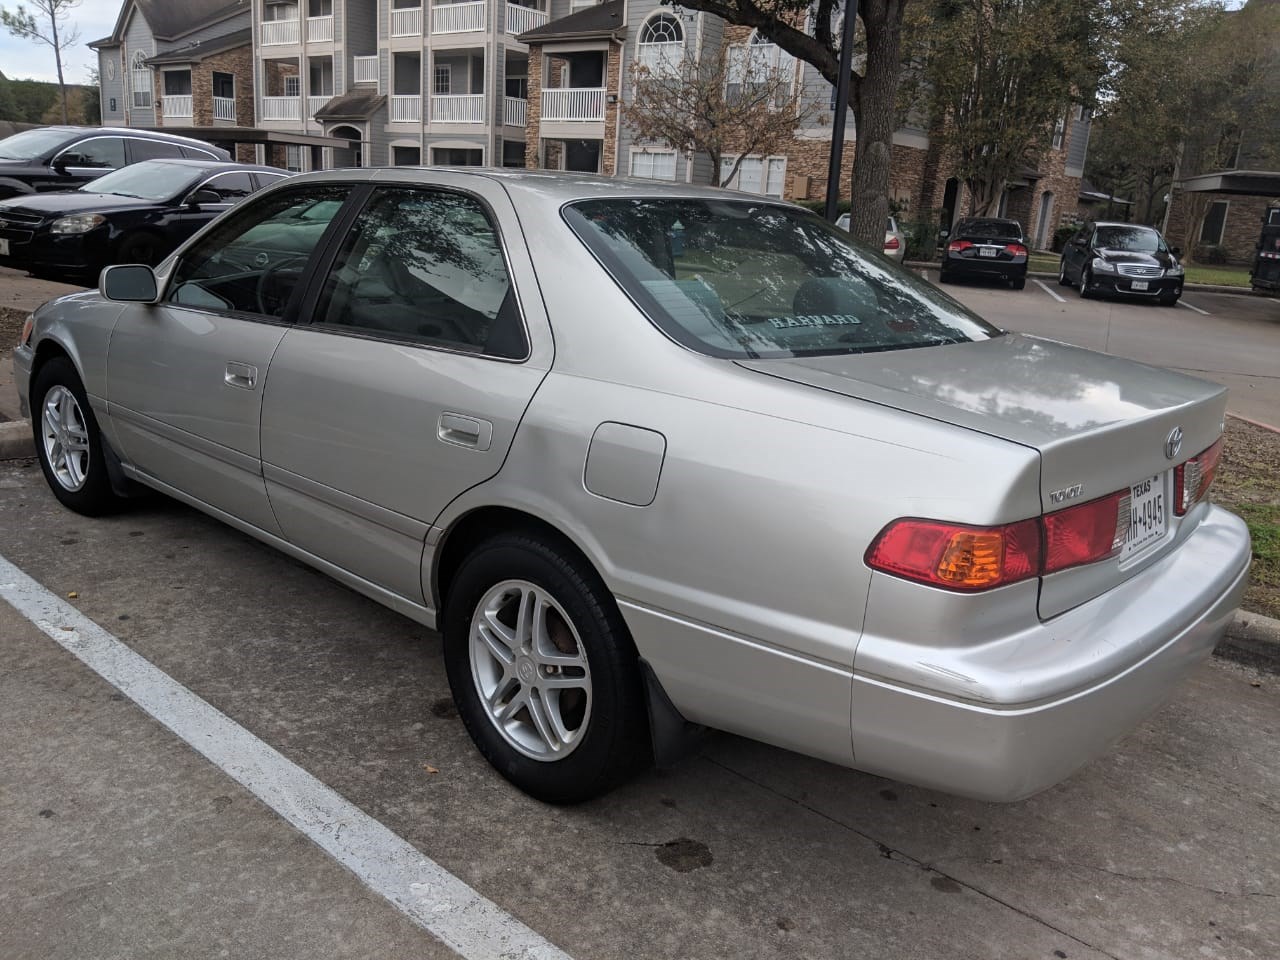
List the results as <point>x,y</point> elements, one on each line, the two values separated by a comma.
<point>120,839</point>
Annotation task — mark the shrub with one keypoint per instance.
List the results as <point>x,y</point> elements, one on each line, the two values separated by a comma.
<point>1062,235</point>
<point>1211,254</point>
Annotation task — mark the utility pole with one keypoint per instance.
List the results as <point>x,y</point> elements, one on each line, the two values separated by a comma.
<point>841,108</point>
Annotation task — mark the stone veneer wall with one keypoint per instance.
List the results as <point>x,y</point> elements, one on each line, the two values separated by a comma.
<point>612,111</point>
<point>1240,232</point>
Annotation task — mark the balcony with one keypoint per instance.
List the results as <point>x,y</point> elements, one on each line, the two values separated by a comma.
<point>520,19</point>
<point>320,29</point>
<point>280,31</point>
<point>224,108</point>
<point>457,17</point>
<point>458,108</point>
<point>406,109</point>
<point>366,69</point>
<point>406,22</point>
<point>316,103</point>
<point>573,103</point>
<point>178,106</point>
<point>515,112</point>
<point>281,108</point>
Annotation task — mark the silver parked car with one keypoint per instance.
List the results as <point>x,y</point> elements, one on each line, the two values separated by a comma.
<point>895,241</point>
<point>654,458</point>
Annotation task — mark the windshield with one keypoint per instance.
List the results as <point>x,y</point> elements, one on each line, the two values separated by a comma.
<point>1131,239</point>
<point>148,180</point>
<point>739,279</point>
<point>32,144</point>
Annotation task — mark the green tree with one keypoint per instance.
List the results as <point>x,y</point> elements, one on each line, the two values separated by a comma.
<point>8,105</point>
<point>51,28</point>
<point>873,80</point>
<point>91,100</point>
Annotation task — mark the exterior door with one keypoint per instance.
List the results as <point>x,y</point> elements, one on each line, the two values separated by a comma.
<point>406,388</point>
<point>185,376</point>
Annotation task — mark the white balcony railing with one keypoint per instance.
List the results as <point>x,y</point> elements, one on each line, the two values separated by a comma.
<point>366,69</point>
<point>319,29</point>
<point>315,103</point>
<point>520,19</point>
<point>224,108</point>
<point>457,17</point>
<point>178,106</point>
<point>515,112</point>
<point>458,108</point>
<point>660,58</point>
<point>573,103</point>
<point>279,31</point>
<point>406,22</point>
<point>281,108</point>
<point>406,109</point>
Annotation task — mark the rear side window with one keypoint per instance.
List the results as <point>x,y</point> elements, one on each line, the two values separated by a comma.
<point>738,279</point>
<point>195,153</point>
<point>97,153</point>
<point>153,150</point>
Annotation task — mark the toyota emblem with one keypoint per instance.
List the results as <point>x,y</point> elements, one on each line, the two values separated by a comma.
<point>1173,446</point>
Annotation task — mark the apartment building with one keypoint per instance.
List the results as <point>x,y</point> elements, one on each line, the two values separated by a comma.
<point>579,80</point>
<point>402,81</point>
<point>179,63</point>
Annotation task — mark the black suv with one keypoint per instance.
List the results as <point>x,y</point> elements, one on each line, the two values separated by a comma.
<point>1125,259</point>
<point>63,158</point>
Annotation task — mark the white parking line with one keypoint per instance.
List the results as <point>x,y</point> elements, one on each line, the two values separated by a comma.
<point>1183,303</point>
<point>1052,293</point>
<point>436,900</point>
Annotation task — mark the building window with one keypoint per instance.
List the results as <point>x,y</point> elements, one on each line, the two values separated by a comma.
<point>1215,222</point>
<point>1059,132</point>
<point>141,78</point>
<point>443,80</point>
<point>406,156</point>
<point>653,164</point>
<point>293,157</point>
<point>293,85</point>
<point>765,175</point>
<point>224,85</point>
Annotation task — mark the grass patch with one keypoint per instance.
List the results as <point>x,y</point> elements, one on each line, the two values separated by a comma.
<point>1043,262</point>
<point>1222,276</point>
<point>1246,485</point>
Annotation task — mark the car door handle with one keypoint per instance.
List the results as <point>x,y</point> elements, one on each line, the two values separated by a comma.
<point>242,375</point>
<point>465,431</point>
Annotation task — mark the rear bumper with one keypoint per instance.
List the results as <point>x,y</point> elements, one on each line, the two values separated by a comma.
<point>1152,630</point>
<point>956,266</point>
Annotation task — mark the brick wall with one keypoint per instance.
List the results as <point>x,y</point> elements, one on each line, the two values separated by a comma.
<point>612,120</point>
<point>1241,230</point>
<point>238,63</point>
<point>810,159</point>
<point>533,117</point>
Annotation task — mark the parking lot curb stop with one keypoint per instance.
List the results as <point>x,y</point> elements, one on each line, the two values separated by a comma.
<point>15,440</point>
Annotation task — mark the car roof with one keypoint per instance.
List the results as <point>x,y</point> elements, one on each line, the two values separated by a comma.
<point>74,131</point>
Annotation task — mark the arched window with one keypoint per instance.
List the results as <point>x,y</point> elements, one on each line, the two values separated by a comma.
<point>661,46</point>
<point>140,79</point>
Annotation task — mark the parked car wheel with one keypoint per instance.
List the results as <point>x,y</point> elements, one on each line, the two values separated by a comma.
<point>1085,281</point>
<point>1018,284</point>
<point>1168,299</point>
<point>944,277</point>
<point>1063,279</point>
<point>140,247</point>
<point>68,442</point>
<point>544,671</point>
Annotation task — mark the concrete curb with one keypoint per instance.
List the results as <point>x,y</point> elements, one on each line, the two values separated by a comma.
<point>1044,275</point>
<point>15,440</point>
<point>1252,639</point>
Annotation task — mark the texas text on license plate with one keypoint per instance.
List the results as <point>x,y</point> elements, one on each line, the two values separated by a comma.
<point>1148,515</point>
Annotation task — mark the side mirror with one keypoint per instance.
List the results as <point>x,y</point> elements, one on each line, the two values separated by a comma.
<point>60,164</point>
<point>201,197</point>
<point>129,283</point>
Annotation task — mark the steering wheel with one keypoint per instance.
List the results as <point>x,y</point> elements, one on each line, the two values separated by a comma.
<point>271,303</point>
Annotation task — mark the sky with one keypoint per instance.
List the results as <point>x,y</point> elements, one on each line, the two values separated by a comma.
<point>28,60</point>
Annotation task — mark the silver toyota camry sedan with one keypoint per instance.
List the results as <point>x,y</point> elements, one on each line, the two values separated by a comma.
<point>654,459</point>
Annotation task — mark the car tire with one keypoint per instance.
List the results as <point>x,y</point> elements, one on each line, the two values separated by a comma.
<point>68,441</point>
<point>944,277</point>
<point>543,669</point>
<point>1168,299</point>
<point>1083,287</point>
<point>1018,284</point>
<point>1063,279</point>
<point>140,247</point>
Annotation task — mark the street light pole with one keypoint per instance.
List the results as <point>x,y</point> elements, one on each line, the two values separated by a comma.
<point>841,108</point>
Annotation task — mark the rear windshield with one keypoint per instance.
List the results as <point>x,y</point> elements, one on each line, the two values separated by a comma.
<point>739,279</point>
<point>993,229</point>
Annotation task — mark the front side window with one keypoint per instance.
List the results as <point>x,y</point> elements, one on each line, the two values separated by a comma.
<point>251,263</point>
<point>742,279</point>
<point>231,187</point>
<point>425,266</point>
<point>99,153</point>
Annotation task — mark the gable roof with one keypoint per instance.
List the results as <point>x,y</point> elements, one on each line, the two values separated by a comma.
<point>193,53</point>
<point>602,20</point>
<point>172,19</point>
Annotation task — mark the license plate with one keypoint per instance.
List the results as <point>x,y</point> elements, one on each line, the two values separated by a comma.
<point>1148,515</point>
<point>4,247</point>
<point>988,251</point>
<point>1138,284</point>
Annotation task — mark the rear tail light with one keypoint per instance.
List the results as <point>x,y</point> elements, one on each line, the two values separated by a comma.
<point>1191,480</point>
<point>1086,533</point>
<point>955,246</point>
<point>958,556</point>
<point>892,244</point>
<point>1016,249</point>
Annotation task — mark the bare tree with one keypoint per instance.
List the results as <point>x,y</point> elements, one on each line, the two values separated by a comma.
<point>50,27</point>
<point>727,101</point>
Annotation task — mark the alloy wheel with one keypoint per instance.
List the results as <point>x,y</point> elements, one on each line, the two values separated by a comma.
<point>530,670</point>
<point>65,437</point>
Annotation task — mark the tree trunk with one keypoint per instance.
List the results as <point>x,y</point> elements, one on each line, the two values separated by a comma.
<point>875,107</point>
<point>57,57</point>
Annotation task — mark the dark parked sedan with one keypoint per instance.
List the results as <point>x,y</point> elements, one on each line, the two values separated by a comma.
<point>987,248</point>
<point>1122,258</point>
<point>135,215</point>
